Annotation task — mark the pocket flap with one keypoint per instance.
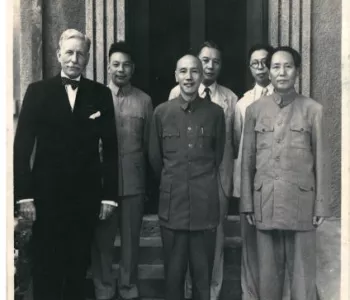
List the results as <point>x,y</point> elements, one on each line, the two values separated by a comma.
<point>300,126</point>
<point>205,131</point>
<point>170,133</point>
<point>257,185</point>
<point>263,128</point>
<point>306,185</point>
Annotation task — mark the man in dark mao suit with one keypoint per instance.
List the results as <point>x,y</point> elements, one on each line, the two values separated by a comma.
<point>186,146</point>
<point>66,117</point>
<point>285,180</point>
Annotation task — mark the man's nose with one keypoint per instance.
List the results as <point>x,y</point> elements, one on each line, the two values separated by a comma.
<point>210,64</point>
<point>261,65</point>
<point>74,57</point>
<point>282,71</point>
<point>188,75</point>
<point>120,68</point>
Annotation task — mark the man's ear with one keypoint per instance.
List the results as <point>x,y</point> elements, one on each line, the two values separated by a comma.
<point>58,53</point>
<point>176,80</point>
<point>87,58</point>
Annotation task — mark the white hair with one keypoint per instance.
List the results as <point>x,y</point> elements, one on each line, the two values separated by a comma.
<point>73,33</point>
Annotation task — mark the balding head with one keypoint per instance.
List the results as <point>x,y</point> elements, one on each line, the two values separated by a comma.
<point>188,58</point>
<point>188,74</point>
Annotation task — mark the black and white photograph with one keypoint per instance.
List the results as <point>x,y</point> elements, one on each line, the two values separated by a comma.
<point>178,150</point>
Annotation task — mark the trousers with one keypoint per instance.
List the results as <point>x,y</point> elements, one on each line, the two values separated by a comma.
<point>128,217</point>
<point>281,251</point>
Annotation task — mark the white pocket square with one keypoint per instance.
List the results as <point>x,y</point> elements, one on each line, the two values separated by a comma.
<point>95,115</point>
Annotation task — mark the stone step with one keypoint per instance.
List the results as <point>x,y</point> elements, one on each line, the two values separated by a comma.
<point>151,282</point>
<point>151,251</point>
<point>153,289</point>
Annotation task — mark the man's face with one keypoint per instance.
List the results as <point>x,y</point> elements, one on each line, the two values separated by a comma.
<point>258,67</point>
<point>211,62</point>
<point>283,72</point>
<point>189,76</point>
<point>73,57</point>
<point>120,68</point>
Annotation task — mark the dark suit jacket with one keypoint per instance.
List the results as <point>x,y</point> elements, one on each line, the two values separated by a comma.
<point>67,164</point>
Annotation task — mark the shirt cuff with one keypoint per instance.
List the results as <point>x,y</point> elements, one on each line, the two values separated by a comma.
<point>24,201</point>
<point>109,203</point>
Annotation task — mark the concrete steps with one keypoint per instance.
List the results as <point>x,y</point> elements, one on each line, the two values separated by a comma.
<point>151,271</point>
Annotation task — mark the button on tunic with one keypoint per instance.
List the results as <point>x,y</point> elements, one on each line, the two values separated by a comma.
<point>185,149</point>
<point>285,173</point>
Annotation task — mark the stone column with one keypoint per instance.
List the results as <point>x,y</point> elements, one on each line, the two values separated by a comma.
<point>30,44</point>
<point>345,166</point>
<point>290,24</point>
<point>105,23</point>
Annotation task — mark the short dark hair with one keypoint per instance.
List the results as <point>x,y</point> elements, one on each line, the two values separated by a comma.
<point>209,44</point>
<point>294,53</point>
<point>122,47</point>
<point>268,48</point>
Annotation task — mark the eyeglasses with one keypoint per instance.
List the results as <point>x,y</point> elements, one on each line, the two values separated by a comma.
<point>255,64</point>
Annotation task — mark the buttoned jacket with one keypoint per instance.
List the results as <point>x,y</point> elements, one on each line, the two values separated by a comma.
<point>185,150</point>
<point>248,98</point>
<point>133,111</point>
<point>285,162</point>
<point>225,98</point>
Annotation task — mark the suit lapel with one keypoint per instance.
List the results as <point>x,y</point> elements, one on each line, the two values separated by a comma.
<point>223,98</point>
<point>60,96</point>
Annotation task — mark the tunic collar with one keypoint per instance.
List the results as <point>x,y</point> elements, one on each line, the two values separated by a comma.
<point>284,100</point>
<point>190,105</point>
<point>116,90</point>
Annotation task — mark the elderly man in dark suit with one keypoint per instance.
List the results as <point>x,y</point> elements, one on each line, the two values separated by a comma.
<point>66,117</point>
<point>186,147</point>
<point>285,180</point>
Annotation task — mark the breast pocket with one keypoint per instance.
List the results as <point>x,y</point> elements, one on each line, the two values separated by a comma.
<point>300,135</point>
<point>171,139</point>
<point>264,136</point>
<point>205,135</point>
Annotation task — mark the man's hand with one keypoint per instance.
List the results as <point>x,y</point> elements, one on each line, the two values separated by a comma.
<point>27,210</point>
<point>250,218</point>
<point>317,221</point>
<point>106,210</point>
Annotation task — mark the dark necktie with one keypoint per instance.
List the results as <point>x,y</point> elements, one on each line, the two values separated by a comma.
<point>73,83</point>
<point>120,92</point>
<point>207,94</point>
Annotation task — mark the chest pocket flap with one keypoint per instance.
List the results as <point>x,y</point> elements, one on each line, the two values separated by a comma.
<point>301,126</point>
<point>300,134</point>
<point>171,138</point>
<point>262,128</point>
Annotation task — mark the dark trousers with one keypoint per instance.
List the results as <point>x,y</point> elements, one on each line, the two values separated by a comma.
<point>61,243</point>
<point>281,251</point>
<point>182,248</point>
<point>128,217</point>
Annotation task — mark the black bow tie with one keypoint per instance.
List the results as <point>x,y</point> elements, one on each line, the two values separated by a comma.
<point>73,83</point>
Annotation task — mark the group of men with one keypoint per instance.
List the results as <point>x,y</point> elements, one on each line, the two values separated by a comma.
<point>88,176</point>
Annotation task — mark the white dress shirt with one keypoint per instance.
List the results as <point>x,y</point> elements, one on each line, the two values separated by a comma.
<point>72,94</point>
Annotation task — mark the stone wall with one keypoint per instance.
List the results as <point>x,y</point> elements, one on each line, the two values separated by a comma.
<point>326,80</point>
